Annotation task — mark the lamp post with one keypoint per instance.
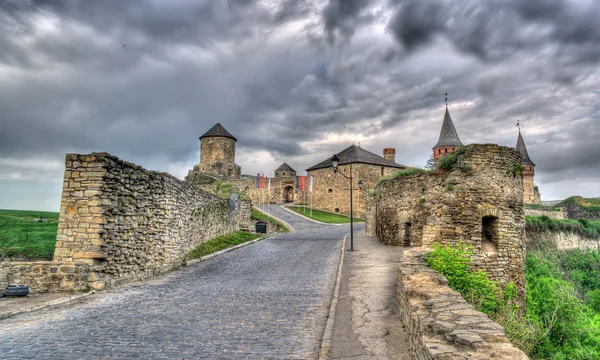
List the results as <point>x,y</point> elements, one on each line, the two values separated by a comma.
<point>335,161</point>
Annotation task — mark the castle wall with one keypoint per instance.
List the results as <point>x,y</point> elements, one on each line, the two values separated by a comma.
<point>549,213</point>
<point>482,207</point>
<point>331,190</point>
<point>561,240</point>
<point>217,157</point>
<point>129,223</point>
<point>529,195</point>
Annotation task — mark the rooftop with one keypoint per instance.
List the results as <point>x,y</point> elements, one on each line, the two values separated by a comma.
<point>523,150</point>
<point>285,167</point>
<point>218,131</point>
<point>448,134</point>
<point>354,155</point>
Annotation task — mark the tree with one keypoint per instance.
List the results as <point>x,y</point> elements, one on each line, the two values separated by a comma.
<point>430,164</point>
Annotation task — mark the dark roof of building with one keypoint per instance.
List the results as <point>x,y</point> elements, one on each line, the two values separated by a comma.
<point>355,154</point>
<point>448,134</point>
<point>218,131</point>
<point>523,150</point>
<point>285,167</point>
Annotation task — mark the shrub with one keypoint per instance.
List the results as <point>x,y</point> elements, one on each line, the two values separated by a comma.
<point>518,170</point>
<point>447,161</point>
<point>593,298</point>
<point>402,173</point>
<point>450,184</point>
<point>465,167</point>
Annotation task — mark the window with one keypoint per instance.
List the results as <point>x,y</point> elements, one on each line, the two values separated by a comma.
<point>382,168</point>
<point>407,229</point>
<point>329,190</point>
<point>284,174</point>
<point>337,210</point>
<point>489,234</point>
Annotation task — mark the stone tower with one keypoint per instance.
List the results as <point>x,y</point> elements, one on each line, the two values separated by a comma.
<point>217,153</point>
<point>285,171</point>
<point>530,196</point>
<point>448,141</point>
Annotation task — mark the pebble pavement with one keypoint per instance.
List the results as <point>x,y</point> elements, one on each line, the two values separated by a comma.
<point>269,300</point>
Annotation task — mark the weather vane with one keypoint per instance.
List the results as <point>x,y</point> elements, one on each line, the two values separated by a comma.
<point>519,124</point>
<point>446,99</point>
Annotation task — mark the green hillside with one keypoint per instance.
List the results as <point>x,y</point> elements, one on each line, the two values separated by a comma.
<point>22,236</point>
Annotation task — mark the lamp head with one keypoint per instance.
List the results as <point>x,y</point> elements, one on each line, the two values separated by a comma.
<point>360,184</point>
<point>335,161</point>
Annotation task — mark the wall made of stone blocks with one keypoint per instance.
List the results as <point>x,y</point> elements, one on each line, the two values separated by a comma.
<point>45,276</point>
<point>450,206</point>
<point>551,214</point>
<point>129,223</point>
<point>561,240</point>
<point>217,156</point>
<point>439,323</point>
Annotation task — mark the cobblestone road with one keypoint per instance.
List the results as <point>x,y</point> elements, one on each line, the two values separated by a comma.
<point>267,300</point>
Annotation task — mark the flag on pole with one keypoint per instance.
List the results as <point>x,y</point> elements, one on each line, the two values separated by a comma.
<point>310,184</point>
<point>269,185</point>
<point>262,181</point>
<point>297,182</point>
<point>303,182</point>
<point>258,181</point>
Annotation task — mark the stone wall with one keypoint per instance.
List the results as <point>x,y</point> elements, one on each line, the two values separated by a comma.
<point>548,213</point>
<point>44,276</point>
<point>331,190</point>
<point>561,240</point>
<point>217,156</point>
<point>482,207</point>
<point>575,211</point>
<point>128,223</point>
<point>529,195</point>
<point>440,324</point>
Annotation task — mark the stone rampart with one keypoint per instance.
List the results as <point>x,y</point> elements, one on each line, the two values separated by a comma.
<point>549,213</point>
<point>478,201</point>
<point>44,276</point>
<point>561,240</point>
<point>128,223</point>
<point>440,324</point>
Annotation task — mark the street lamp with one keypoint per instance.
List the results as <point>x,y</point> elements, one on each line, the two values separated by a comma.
<point>335,162</point>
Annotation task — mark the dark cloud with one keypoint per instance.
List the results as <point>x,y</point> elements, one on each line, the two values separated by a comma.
<point>295,80</point>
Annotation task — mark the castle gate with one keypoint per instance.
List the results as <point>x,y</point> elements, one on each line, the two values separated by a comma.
<point>288,194</point>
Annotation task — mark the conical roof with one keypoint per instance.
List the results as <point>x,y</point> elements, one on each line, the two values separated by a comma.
<point>448,134</point>
<point>355,154</point>
<point>523,150</point>
<point>285,167</point>
<point>218,131</point>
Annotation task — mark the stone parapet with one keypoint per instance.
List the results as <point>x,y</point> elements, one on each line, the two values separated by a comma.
<point>439,322</point>
<point>45,276</point>
<point>551,214</point>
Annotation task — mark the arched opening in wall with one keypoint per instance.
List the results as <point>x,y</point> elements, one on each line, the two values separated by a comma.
<point>288,194</point>
<point>229,172</point>
<point>489,234</point>
<point>337,210</point>
<point>329,190</point>
<point>407,230</point>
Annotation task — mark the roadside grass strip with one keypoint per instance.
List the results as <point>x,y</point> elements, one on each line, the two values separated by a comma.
<point>322,216</point>
<point>222,243</point>
<point>257,215</point>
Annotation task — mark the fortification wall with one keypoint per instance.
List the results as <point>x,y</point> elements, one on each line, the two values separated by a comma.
<point>551,214</point>
<point>217,156</point>
<point>482,207</point>
<point>128,223</point>
<point>44,276</point>
<point>561,240</point>
<point>440,324</point>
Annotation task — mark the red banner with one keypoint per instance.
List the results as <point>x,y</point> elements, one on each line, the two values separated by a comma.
<point>303,182</point>
<point>262,181</point>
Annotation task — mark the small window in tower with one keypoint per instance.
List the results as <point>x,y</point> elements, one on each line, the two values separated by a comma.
<point>284,174</point>
<point>337,210</point>
<point>329,190</point>
<point>382,168</point>
<point>445,151</point>
<point>203,168</point>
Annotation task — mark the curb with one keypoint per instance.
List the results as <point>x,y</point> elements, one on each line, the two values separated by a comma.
<point>210,256</point>
<point>47,304</point>
<point>326,343</point>
<point>287,225</point>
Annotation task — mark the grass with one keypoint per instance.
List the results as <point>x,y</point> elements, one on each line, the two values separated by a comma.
<point>585,228</point>
<point>221,243</point>
<point>447,161</point>
<point>323,216</point>
<point>20,236</point>
<point>257,215</point>
<point>588,204</point>
<point>402,173</point>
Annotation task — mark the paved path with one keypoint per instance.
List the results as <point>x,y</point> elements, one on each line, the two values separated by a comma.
<point>267,300</point>
<point>367,320</point>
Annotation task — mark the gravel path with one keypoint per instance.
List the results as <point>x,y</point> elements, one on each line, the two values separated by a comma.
<point>267,300</point>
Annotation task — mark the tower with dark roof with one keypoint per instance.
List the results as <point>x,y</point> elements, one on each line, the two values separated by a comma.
<point>448,141</point>
<point>285,171</point>
<point>217,153</point>
<point>530,193</point>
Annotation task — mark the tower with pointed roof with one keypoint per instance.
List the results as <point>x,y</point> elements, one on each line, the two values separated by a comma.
<point>217,153</point>
<point>530,193</point>
<point>285,171</point>
<point>448,141</point>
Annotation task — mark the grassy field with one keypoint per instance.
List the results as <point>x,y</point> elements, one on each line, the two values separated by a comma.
<point>222,242</point>
<point>322,216</point>
<point>257,215</point>
<point>21,236</point>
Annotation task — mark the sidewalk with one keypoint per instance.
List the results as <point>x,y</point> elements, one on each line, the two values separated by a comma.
<point>367,323</point>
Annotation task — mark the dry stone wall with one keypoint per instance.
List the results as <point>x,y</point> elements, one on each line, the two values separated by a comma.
<point>128,223</point>
<point>481,206</point>
<point>551,214</point>
<point>44,276</point>
<point>561,240</point>
<point>440,324</point>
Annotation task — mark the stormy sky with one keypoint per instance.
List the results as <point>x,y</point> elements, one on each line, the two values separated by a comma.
<point>294,81</point>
